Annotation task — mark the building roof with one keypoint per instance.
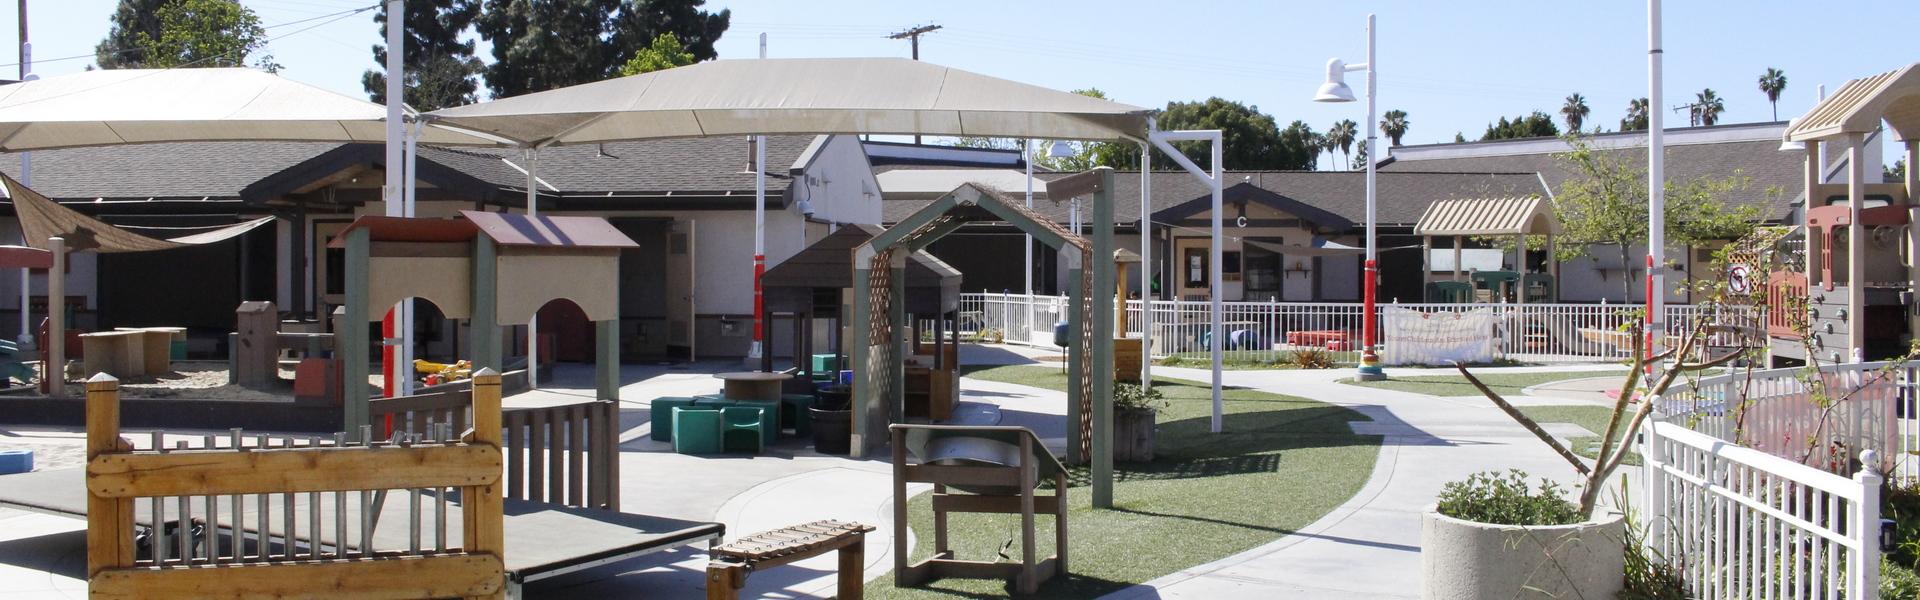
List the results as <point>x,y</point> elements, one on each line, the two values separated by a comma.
<point>1402,196</point>
<point>691,169</point>
<point>1752,151</point>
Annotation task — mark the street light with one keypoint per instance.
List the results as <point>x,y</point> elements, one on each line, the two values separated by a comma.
<point>1336,90</point>
<point>1058,150</point>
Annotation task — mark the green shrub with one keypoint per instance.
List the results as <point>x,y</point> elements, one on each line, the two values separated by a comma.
<point>1130,396</point>
<point>1898,582</point>
<point>1490,498</point>
<point>1312,358</point>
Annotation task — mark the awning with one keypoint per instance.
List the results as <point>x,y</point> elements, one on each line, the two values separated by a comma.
<point>900,184</point>
<point>131,106</point>
<point>799,95</point>
<point>1860,104</point>
<point>42,218</point>
<point>1529,215</point>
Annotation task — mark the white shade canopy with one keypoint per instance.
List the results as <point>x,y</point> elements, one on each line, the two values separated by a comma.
<point>804,95</point>
<point>131,106</point>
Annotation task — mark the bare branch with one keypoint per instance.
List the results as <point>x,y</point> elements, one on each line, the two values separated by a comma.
<point>1524,420</point>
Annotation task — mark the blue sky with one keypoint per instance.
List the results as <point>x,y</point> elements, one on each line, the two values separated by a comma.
<point>1453,66</point>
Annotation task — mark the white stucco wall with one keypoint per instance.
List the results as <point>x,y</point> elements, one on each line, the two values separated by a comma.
<point>838,181</point>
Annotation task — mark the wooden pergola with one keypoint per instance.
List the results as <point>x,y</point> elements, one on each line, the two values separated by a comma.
<point>1517,217</point>
<point>879,312</point>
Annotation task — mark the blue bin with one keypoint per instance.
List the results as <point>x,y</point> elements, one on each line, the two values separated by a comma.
<point>15,461</point>
<point>1062,334</point>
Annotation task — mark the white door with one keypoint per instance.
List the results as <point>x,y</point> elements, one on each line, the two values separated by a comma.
<point>681,278</point>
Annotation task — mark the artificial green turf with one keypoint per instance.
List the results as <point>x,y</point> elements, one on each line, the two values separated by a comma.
<point>1454,385</point>
<point>1282,463</point>
<point>1244,359</point>
<point>1593,418</point>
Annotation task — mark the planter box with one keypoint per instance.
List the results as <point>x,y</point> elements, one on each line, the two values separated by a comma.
<point>1467,560</point>
<point>1133,434</point>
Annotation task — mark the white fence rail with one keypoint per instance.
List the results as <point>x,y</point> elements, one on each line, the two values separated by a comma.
<point>1741,523</point>
<point>1271,331</point>
<point>1858,407</point>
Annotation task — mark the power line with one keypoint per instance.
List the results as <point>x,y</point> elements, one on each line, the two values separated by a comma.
<point>335,17</point>
<point>914,35</point>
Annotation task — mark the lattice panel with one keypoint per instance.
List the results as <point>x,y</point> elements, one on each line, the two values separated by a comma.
<point>1086,353</point>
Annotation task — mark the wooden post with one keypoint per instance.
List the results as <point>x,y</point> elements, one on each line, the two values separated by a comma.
<point>853,564</point>
<point>897,305</point>
<point>56,366</point>
<point>902,575</point>
<point>109,520</point>
<point>1076,295</point>
<point>1426,265</point>
<point>1856,249</point>
<point>1103,280</point>
<point>352,347</point>
<point>1458,241</point>
<point>606,362</point>
<point>865,378</point>
<point>482,510</point>
<point>485,340</point>
<point>1029,580</point>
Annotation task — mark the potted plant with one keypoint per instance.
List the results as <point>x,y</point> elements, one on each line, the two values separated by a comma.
<point>832,419</point>
<point>1495,538</point>
<point>1134,411</point>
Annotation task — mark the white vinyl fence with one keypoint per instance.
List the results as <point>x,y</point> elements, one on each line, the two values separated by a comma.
<point>1271,331</point>
<point>1741,523</point>
<point>1865,406</point>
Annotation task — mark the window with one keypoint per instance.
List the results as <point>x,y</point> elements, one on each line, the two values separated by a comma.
<point>1194,264</point>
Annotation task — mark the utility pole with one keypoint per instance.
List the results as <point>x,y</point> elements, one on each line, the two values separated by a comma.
<point>913,35</point>
<point>26,178</point>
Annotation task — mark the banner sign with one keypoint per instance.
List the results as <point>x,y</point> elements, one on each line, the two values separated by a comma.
<point>1437,338</point>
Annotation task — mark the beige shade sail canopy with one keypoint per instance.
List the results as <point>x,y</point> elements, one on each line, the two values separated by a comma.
<point>801,95</point>
<point>41,218</point>
<point>132,106</point>
<point>1860,104</point>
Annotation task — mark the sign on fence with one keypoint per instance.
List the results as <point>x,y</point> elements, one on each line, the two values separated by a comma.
<point>1437,338</point>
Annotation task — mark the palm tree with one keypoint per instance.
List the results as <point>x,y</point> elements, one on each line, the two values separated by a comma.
<point>1771,84</point>
<point>1575,110</point>
<point>1327,142</point>
<point>1395,125</point>
<point>1636,118</point>
<point>1707,106</point>
<point>1341,135</point>
<point>1316,143</point>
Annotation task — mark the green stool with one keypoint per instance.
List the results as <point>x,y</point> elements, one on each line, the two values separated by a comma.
<point>795,412</point>
<point>771,408</point>
<point>698,431</point>
<point>745,430</point>
<point>825,363</point>
<point>662,416</point>
<point>711,400</point>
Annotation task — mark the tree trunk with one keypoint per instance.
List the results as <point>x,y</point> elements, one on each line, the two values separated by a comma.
<point>1626,275</point>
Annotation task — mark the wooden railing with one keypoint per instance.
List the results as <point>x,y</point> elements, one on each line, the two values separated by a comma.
<point>1786,298</point>
<point>566,454</point>
<point>294,542</point>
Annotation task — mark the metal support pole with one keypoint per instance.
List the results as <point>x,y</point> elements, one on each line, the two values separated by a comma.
<point>26,179</point>
<point>759,237</point>
<point>1026,334</point>
<point>1656,185</point>
<point>57,318</point>
<point>394,192</point>
<point>1104,282</point>
<point>533,321</point>
<point>1146,267</point>
<point>1369,322</point>
<point>1161,140</point>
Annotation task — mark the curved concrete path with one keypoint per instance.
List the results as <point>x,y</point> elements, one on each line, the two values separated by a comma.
<point>1368,547</point>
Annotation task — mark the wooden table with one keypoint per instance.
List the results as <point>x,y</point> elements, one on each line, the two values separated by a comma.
<point>156,346</point>
<point>118,353</point>
<point>752,385</point>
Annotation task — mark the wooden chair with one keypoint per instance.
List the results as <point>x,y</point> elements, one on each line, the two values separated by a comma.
<point>732,563</point>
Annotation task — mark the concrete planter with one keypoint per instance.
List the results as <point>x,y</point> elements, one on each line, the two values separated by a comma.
<point>1467,560</point>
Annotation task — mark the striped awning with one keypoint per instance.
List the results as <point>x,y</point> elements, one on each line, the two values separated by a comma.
<point>1860,104</point>
<point>1488,216</point>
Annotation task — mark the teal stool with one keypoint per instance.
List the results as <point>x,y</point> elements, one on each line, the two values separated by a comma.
<point>662,416</point>
<point>825,363</point>
<point>711,400</point>
<point>697,431</point>
<point>745,430</point>
<point>771,408</point>
<point>795,412</point>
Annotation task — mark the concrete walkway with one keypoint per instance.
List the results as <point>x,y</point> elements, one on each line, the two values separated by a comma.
<point>1368,547</point>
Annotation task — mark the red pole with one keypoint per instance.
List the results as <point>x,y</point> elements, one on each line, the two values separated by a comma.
<point>759,302</point>
<point>387,367</point>
<point>1368,323</point>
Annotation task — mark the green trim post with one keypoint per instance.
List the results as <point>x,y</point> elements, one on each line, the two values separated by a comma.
<point>1076,297</point>
<point>606,360</point>
<point>897,318</point>
<point>484,326</point>
<point>863,394</point>
<point>353,339</point>
<point>1101,296</point>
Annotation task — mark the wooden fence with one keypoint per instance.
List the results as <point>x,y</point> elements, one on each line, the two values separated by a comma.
<point>565,454</point>
<point>294,542</point>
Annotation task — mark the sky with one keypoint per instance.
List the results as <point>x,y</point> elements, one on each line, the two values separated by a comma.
<point>1452,66</point>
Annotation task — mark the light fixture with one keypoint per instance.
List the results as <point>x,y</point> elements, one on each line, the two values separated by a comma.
<point>1060,149</point>
<point>1335,89</point>
<point>1792,146</point>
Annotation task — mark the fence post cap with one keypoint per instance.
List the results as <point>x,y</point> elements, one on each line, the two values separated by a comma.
<point>1870,462</point>
<point>102,377</point>
<point>485,372</point>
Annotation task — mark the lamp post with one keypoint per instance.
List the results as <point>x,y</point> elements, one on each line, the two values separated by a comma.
<point>1059,149</point>
<point>1336,90</point>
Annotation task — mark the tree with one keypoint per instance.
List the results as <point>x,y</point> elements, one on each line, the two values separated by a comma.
<point>1086,155</point>
<point>1459,137</point>
<point>544,44</point>
<point>1341,135</point>
<point>440,67</point>
<point>1300,135</point>
<point>1359,161</point>
<point>664,53</point>
<point>1604,202</point>
<point>1636,119</point>
<point>1537,124</point>
<point>1707,107</point>
<point>1575,111</point>
<point>1772,83</point>
<point>1253,139</point>
<point>1896,173</point>
<point>1395,125</point>
<point>183,33</point>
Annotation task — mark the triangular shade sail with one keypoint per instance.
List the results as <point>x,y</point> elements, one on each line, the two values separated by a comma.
<point>131,106</point>
<point>797,96</point>
<point>42,218</point>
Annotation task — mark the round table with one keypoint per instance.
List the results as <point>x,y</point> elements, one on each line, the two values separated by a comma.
<point>752,385</point>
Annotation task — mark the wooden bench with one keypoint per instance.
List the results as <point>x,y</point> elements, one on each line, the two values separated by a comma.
<point>733,562</point>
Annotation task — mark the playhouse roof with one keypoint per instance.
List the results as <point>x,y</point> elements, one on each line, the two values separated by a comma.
<point>505,229</point>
